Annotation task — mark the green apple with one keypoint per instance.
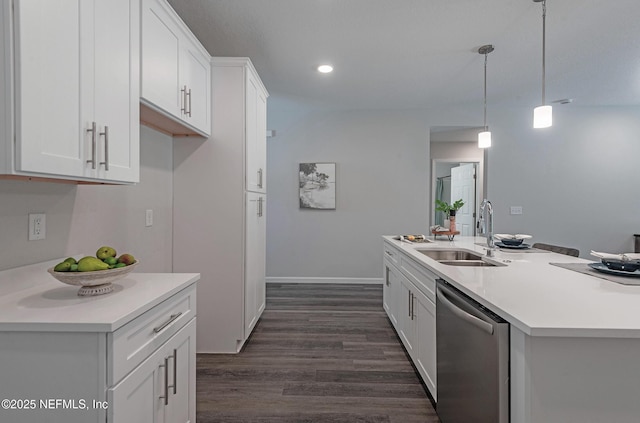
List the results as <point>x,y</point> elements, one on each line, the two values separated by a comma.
<point>104,252</point>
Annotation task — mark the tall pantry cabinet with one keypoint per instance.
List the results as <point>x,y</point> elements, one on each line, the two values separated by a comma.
<point>220,208</point>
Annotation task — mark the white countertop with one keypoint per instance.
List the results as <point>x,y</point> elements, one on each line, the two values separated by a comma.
<point>536,297</point>
<point>32,300</point>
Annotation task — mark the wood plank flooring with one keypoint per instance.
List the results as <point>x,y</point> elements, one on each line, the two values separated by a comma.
<point>320,354</point>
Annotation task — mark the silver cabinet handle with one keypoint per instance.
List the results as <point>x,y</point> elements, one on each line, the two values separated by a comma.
<point>93,145</point>
<point>189,96</point>
<point>183,108</point>
<point>441,296</point>
<point>167,323</point>
<point>260,201</point>
<point>413,306</point>
<point>106,147</point>
<point>175,374</point>
<point>175,371</point>
<point>387,275</point>
<point>260,178</point>
<point>166,381</point>
<point>389,253</point>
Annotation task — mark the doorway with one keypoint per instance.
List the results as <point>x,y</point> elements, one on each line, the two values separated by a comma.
<point>457,181</point>
<point>457,172</point>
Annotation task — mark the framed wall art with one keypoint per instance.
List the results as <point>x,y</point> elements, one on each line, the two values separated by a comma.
<point>317,186</point>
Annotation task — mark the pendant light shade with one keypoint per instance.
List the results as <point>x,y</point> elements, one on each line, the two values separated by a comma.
<point>484,137</point>
<point>542,115</point>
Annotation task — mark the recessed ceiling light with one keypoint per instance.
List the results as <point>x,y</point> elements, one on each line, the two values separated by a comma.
<point>325,68</point>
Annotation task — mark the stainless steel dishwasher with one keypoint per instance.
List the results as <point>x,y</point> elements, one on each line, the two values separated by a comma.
<point>472,359</point>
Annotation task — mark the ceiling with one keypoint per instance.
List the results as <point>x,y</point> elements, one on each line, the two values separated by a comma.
<point>416,54</point>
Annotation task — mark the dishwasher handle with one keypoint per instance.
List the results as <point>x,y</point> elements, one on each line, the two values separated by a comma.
<point>479,323</point>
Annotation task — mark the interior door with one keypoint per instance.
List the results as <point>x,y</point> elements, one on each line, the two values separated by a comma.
<point>463,186</point>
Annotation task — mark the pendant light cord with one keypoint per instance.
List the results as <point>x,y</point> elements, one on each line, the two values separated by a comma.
<point>544,30</point>
<point>485,91</point>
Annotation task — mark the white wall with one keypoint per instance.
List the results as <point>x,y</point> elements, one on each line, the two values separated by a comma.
<point>382,172</point>
<point>578,181</point>
<point>81,218</point>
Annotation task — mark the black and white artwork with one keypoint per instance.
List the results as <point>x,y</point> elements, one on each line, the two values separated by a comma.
<point>318,186</point>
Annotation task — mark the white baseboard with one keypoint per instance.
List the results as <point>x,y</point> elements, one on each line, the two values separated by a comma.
<point>368,281</point>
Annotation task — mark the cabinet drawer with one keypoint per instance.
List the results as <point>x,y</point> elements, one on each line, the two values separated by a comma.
<point>391,254</point>
<point>138,339</point>
<point>422,278</point>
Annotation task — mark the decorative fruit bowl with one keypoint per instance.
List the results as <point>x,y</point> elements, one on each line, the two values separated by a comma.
<point>93,283</point>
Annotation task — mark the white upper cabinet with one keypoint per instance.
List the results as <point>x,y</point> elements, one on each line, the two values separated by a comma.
<point>176,72</point>
<point>256,127</point>
<point>74,79</point>
<point>117,88</point>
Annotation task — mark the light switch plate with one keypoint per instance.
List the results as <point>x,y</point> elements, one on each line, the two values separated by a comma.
<point>148,218</point>
<point>37,226</point>
<point>516,209</point>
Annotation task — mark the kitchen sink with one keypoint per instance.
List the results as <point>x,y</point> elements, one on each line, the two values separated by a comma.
<point>452,257</point>
<point>474,263</point>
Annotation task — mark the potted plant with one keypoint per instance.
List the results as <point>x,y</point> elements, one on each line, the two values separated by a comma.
<point>449,211</point>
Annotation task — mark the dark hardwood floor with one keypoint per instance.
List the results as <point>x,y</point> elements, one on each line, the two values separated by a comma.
<point>319,354</point>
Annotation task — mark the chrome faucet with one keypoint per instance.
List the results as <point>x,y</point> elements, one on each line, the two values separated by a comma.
<point>485,224</point>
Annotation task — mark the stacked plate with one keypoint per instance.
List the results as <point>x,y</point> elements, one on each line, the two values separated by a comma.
<point>627,264</point>
<point>512,241</point>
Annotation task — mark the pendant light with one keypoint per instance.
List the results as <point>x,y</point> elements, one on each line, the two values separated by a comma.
<point>484,137</point>
<point>542,115</point>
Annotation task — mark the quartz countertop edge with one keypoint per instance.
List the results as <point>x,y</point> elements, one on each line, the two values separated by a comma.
<point>31,300</point>
<point>537,298</point>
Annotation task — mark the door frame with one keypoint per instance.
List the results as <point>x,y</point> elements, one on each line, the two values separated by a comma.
<point>480,184</point>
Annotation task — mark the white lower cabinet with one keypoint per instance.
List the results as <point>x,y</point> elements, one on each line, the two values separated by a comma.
<point>425,339</point>
<point>408,299</point>
<point>142,372</point>
<point>161,389</point>
<point>407,326</point>
<point>390,292</point>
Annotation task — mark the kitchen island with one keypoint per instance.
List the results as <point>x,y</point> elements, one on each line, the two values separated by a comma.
<point>574,338</point>
<point>126,356</point>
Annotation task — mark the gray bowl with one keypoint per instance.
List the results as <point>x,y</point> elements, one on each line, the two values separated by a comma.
<point>623,266</point>
<point>511,242</point>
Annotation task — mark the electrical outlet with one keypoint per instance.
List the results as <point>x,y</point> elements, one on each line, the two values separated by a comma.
<point>148,218</point>
<point>37,226</point>
<point>516,209</point>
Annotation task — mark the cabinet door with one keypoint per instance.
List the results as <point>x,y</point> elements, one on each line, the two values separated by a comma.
<point>406,315</point>
<point>391,292</point>
<point>50,57</point>
<point>147,394</point>
<point>116,96</point>
<point>181,350</point>
<point>254,260</point>
<point>425,345</point>
<point>136,398</point>
<point>195,75</point>
<point>160,58</point>
<point>256,135</point>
